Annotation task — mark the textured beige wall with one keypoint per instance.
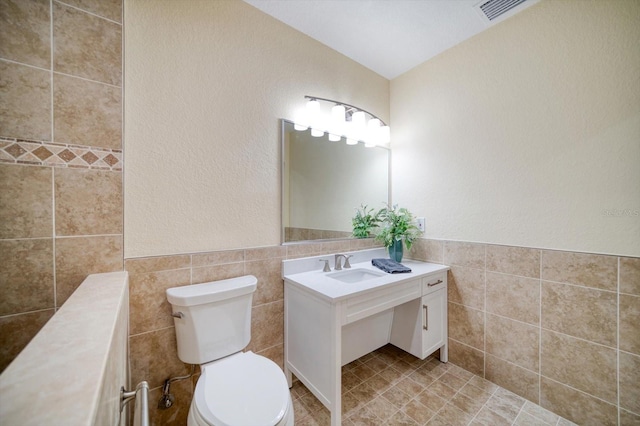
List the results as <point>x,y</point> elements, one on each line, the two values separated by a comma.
<point>205,85</point>
<point>529,133</point>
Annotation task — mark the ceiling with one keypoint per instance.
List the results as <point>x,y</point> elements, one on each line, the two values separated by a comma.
<point>387,36</point>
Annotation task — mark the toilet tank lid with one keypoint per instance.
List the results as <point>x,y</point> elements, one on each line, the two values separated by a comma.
<point>198,294</point>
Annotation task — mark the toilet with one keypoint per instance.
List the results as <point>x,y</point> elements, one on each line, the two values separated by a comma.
<point>235,388</point>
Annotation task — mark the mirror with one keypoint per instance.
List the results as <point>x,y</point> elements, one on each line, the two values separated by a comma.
<point>323,182</point>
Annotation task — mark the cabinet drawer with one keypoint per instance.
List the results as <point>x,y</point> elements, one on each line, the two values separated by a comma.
<point>434,282</point>
<point>377,301</point>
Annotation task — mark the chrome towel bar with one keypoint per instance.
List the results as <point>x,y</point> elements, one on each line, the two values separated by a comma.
<point>141,409</point>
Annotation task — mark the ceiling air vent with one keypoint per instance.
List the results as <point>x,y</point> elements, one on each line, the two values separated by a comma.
<point>493,11</point>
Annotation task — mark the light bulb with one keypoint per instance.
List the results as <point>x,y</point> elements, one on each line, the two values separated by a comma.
<point>337,114</point>
<point>385,134</point>
<point>351,141</point>
<point>373,127</point>
<point>316,133</point>
<point>334,138</point>
<point>300,127</point>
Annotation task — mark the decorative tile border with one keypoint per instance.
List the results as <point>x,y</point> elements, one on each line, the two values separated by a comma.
<point>37,153</point>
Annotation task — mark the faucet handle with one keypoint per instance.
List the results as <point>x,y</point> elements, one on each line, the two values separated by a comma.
<point>347,265</point>
<point>326,268</point>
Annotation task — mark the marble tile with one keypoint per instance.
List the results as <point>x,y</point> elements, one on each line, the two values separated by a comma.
<point>514,297</point>
<point>270,284</point>
<point>471,255</point>
<point>17,330</point>
<point>362,244</point>
<point>303,250</point>
<point>489,417</point>
<point>630,275</point>
<point>630,382</point>
<point>154,264</point>
<point>466,286</point>
<point>452,416</point>
<point>88,202</point>
<point>263,253</point>
<point>506,404</point>
<point>466,325</point>
<point>150,309</point>
<point>110,9</point>
<point>25,32</point>
<point>275,354</point>
<point>267,326</point>
<point>566,359</point>
<point>332,247</point>
<point>483,384</point>
<point>629,419</point>
<point>519,261</point>
<point>217,257</point>
<point>630,323</point>
<point>581,312</point>
<point>466,404</point>
<point>26,201</point>
<point>178,413</point>
<point>589,270</point>
<point>471,359</point>
<point>540,413</point>
<point>518,380</point>
<point>216,273</point>
<point>86,113</point>
<point>417,412</point>
<point>26,275</point>
<point>25,110</point>
<point>513,341</point>
<point>575,405</point>
<point>86,45</point>
<point>427,250</point>
<point>154,357</point>
<point>80,256</point>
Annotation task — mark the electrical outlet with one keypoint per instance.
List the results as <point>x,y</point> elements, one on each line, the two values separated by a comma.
<point>420,223</point>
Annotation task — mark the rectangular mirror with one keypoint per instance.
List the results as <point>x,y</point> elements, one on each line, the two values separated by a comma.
<point>323,182</point>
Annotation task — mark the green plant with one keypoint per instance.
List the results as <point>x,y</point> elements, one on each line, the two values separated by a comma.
<point>397,225</point>
<point>364,222</point>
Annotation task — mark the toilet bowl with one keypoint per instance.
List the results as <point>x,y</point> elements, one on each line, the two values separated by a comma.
<point>244,389</point>
<point>235,388</point>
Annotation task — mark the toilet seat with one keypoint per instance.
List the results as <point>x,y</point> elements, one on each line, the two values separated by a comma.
<point>243,389</point>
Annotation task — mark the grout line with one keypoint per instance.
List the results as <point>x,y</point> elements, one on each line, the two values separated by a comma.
<point>27,312</point>
<point>580,286</point>
<point>484,328</point>
<point>53,173</point>
<point>23,64</point>
<point>577,338</point>
<point>580,391</point>
<point>540,330</point>
<point>115,86</point>
<point>89,13</point>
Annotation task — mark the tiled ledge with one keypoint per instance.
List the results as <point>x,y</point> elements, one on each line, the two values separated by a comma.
<point>74,367</point>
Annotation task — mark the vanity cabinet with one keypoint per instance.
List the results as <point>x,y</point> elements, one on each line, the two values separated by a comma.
<point>329,323</point>
<point>420,325</point>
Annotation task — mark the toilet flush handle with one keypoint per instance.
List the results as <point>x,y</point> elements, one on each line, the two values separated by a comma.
<point>177,314</point>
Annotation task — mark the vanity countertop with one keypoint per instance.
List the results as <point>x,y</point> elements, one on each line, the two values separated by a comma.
<point>330,289</point>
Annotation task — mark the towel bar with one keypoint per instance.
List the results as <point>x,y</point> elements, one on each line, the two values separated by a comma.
<point>141,409</point>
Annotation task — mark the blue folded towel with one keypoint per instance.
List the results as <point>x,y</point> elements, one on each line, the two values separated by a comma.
<point>390,266</point>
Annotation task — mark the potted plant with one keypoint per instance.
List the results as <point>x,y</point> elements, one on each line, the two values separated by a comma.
<point>397,227</point>
<point>364,222</point>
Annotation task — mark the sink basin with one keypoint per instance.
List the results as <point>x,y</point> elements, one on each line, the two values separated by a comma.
<point>355,275</point>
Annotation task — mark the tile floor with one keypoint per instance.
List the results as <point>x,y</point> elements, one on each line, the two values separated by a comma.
<point>391,387</point>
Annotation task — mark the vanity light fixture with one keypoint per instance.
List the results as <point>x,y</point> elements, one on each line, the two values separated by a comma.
<point>345,120</point>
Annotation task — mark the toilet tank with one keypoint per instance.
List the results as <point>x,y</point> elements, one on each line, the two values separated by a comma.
<point>215,320</point>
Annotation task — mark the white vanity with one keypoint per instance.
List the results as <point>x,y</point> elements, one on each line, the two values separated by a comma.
<point>333,318</point>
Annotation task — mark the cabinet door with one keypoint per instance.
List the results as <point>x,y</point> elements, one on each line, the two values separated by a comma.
<point>434,321</point>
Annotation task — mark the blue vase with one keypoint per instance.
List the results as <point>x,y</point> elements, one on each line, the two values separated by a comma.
<point>395,251</point>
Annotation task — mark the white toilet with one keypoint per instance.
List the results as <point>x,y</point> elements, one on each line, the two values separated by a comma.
<point>213,325</point>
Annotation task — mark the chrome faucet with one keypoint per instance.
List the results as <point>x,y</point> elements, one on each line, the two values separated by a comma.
<point>338,266</point>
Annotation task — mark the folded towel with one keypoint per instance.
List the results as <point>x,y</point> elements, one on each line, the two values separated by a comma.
<point>390,266</point>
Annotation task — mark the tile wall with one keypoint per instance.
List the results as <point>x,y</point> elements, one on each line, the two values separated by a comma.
<point>561,329</point>
<point>152,338</point>
<point>60,156</point>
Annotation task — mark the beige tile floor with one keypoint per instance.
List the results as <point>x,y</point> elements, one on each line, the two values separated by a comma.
<point>391,387</point>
